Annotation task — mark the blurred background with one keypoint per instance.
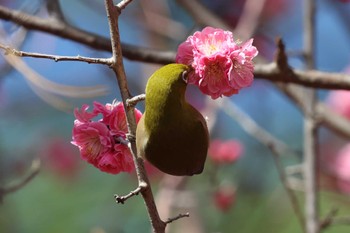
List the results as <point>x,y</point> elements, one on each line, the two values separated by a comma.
<point>242,193</point>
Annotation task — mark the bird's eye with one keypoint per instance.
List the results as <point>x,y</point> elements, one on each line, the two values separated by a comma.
<point>185,76</point>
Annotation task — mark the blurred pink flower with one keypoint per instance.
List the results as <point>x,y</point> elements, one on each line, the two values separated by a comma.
<point>60,158</point>
<point>221,66</point>
<point>225,151</point>
<point>224,197</point>
<point>100,142</point>
<point>341,168</point>
<point>339,101</point>
<point>276,7</point>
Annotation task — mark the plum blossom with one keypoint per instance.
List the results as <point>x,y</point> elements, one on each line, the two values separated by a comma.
<point>100,142</point>
<point>222,152</point>
<point>92,138</point>
<point>341,168</point>
<point>339,101</point>
<point>60,158</point>
<point>220,65</point>
<point>224,197</point>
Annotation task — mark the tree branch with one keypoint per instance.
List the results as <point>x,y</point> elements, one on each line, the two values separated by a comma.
<point>34,170</point>
<point>286,184</point>
<point>170,220</point>
<point>56,58</point>
<point>276,146</point>
<point>113,13</point>
<point>134,100</point>
<point>332,120</point>
<point>64,30</point>
<point>249,19</point>
<point>310,127</point>
<point>54,9</point>
<point>309,78</point>
<point>269,71</point>
<point>253,129</point>
<point>122,199</point>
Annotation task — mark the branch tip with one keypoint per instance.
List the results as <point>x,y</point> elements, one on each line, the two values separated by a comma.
<point>121,6</point>
<point>328,220</point>
<point>11,51</point>
<point>34,170</point>
<point>281,56</point>
<point>143,185</point>
<point>170,220</point>
<point>131,102</point>
<point>122,199</point>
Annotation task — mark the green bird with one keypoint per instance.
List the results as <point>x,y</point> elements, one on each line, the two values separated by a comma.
<point>171,134</point>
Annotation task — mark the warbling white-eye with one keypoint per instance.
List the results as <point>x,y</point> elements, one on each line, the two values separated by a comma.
<point>172,135</point>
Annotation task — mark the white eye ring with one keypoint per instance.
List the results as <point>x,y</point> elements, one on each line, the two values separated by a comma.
<point>184,76</point>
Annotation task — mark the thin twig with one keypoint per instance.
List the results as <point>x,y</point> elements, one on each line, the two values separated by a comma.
<point>296,184</point>
<point>253,129</point>
<point>134,100</point>
<point>249,19</point>
<point>170,220</point>
<point>294,170</point>
<point>56,58</point>
<point>341,220</point>
<point>113,13</point>
<point>309,78</point>
<point>327,221</point>
<point>281,61</point>
<point>276,146</point>
<point>54,9</point>
<point>67,31</point>
<point>49,86</point>
<point>122,4</point>
<point>34,170</point>
<point>285,182</point>
<point>324,115</point>
<point>310,127</point>
<point>333,120</point>
<point>122,199</point>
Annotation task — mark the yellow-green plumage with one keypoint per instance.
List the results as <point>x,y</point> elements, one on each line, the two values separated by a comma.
<point>171,134</point>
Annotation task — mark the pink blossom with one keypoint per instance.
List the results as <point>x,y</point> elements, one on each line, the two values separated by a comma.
<point>339,101</point>
<point>220,65</point>
<point>224,197</point>
<point>114,116</point>
<point>118,159</point>
<point>93,140</point>
<point>99,142</point>
<point>60,158</point>
<point>222,152</point>
<point>82,115</point>
<point>341,168</point>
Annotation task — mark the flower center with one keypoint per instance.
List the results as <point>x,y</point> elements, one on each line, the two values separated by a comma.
<point>94,147</point>
<point>215,72</point>
<point>211,47</point>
